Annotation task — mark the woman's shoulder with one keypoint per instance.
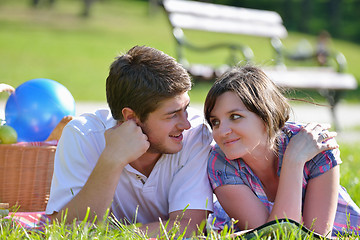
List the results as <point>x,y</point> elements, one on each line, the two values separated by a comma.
<point>217,154</point>
<point>218,160</point>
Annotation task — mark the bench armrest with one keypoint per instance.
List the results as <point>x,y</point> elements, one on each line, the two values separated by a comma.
<point>234,48</point>
<point>336,59</point>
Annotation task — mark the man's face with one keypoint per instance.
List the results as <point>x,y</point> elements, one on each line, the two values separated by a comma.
<point>164,126</point>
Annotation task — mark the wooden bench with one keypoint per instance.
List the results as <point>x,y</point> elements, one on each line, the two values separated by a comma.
<point>223,19</point>
<point>207,17</point>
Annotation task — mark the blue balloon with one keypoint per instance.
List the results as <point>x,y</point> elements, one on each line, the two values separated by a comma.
<point>36,107</point>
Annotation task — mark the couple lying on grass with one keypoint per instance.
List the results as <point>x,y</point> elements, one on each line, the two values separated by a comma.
<point>152,156</point>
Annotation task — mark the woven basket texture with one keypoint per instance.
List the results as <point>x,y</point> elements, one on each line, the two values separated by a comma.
<point>25,176</point>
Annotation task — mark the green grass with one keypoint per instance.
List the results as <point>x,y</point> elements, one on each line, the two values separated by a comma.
<point>111,228</point>
<point>58,44</point>
<point>350,171</point>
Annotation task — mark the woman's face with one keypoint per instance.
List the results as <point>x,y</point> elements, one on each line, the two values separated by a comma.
<point>238,131</point>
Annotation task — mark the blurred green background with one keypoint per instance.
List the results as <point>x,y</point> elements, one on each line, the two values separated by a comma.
<point>57,42</point>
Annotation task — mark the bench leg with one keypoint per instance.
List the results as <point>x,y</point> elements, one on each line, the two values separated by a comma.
<point>333,97</point>
<point>335,120</point>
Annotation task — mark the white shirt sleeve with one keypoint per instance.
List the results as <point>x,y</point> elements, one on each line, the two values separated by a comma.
<point>190,187</point>
<point>75,158</point>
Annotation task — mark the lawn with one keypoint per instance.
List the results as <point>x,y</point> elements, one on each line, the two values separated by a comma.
<point>58,44</point>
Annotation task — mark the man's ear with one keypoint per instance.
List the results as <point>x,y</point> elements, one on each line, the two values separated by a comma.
<point>129,114</point>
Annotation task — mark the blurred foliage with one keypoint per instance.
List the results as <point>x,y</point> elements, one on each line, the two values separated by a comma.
<point>339,17</point>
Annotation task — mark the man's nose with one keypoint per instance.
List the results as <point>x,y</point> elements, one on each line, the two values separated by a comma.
<point>184,122</point>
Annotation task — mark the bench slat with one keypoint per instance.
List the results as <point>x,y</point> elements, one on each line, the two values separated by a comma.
<point>225,19</point>
<point>221,11</point>
<point>294,77</point>
<point>311,78</point>
<point>253,28</point>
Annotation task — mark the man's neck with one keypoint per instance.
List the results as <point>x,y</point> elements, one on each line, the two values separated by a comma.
<point>146,163</point>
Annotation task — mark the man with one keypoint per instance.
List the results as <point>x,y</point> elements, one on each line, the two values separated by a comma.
<point>146,160</point>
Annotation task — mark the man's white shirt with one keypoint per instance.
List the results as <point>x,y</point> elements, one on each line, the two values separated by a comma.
<point>177,181</point>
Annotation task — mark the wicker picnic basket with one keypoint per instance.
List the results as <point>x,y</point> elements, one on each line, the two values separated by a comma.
<point>25,176</point>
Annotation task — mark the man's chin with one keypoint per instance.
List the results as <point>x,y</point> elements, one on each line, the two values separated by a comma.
<point>166,149</point>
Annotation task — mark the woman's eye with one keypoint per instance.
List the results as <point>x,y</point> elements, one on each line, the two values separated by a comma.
<point>214,122</point>
<point>235,116</point>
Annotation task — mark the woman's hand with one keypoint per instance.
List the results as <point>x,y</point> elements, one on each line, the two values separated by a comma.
<point>308,142</point>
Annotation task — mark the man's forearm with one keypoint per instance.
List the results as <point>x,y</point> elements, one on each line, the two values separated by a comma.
<point>97,194</point>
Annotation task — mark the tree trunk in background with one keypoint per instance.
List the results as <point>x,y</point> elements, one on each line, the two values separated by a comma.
<point>35,3</point>
<point>334,17</point>
<point>357,9</point>
<point>305,16</point>
<point>154,6</point>
<point>288,17</point>
<point>87,6</point>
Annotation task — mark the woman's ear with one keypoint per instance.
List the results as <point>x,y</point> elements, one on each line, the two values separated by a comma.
<point>129,114</point>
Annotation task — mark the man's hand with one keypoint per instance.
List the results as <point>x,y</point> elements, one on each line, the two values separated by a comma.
<point>126,140</point>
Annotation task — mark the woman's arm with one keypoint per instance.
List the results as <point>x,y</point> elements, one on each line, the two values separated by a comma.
<point>240,203</point>
<point>288,200</point>
<point>310,141</point>
<point>243,205</point>
<point>321,201</point>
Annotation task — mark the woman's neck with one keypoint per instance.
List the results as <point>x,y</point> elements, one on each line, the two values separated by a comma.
<point>264,164</point>
<point>261,159</point>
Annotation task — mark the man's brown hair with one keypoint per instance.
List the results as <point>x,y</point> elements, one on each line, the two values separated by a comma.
<point>141,79</point>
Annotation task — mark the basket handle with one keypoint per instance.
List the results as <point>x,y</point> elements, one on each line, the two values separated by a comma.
<point>6,88</point>
<point>4,205</point>
<point>4,209</point>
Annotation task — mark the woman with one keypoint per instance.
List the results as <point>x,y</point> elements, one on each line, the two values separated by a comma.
<point>249,117</point>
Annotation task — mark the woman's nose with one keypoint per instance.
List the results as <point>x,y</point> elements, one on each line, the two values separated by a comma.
<point>224,129</point>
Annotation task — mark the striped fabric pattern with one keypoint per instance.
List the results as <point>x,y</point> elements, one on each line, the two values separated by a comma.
<point>223,171</point>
